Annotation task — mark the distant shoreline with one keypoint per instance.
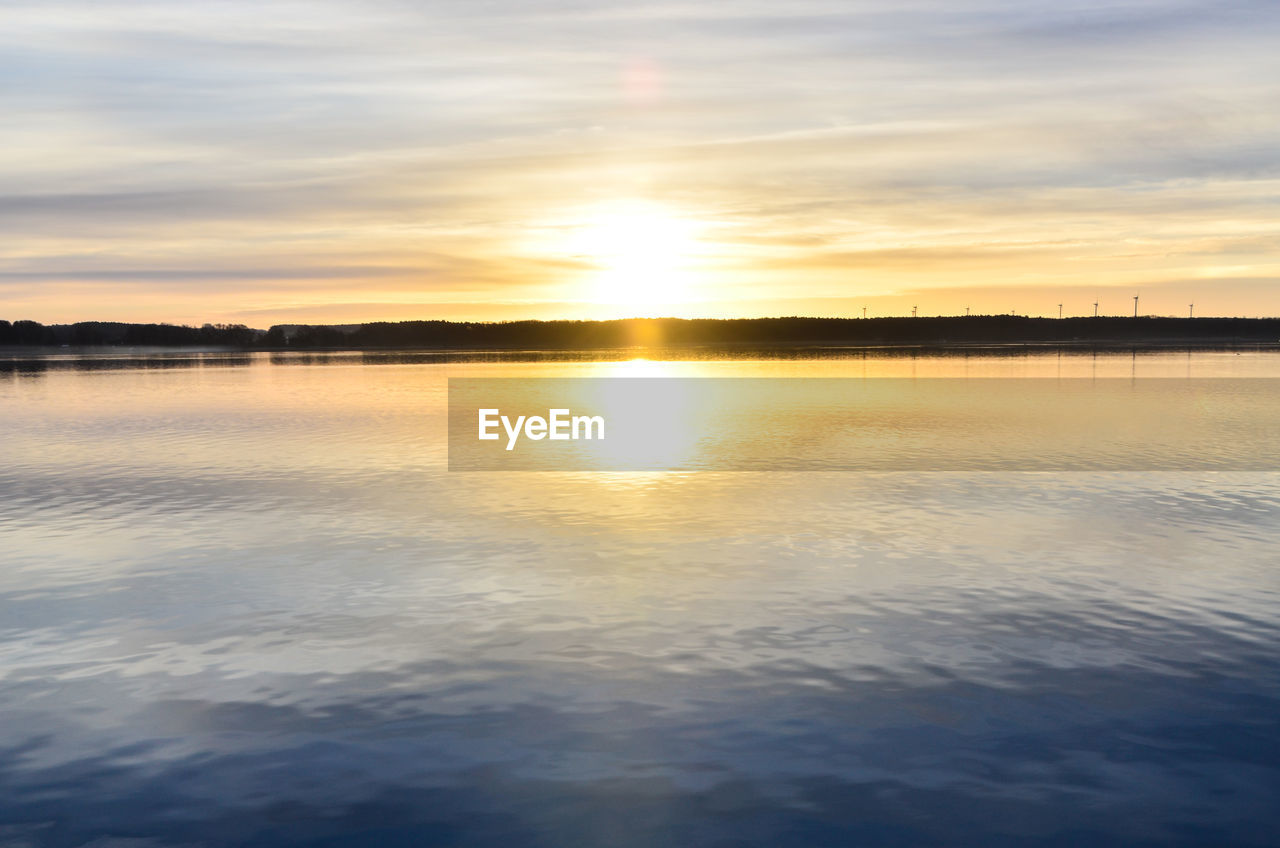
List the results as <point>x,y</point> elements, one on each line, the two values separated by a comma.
<point>728,334</point>
<point>792,350</point>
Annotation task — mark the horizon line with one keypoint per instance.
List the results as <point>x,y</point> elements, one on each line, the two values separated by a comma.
<point>507,321</point>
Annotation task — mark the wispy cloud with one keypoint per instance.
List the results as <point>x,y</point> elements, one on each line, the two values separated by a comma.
<point>191,161</point>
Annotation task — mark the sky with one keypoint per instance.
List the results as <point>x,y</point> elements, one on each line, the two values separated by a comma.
<point>267,163</point>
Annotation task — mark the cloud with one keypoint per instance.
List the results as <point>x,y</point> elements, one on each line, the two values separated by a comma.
<point>278,143</point>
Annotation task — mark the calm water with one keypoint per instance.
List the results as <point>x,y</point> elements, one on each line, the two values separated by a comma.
<point>244,603</point>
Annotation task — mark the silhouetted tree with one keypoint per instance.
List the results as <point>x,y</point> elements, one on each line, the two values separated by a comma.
<point>586,335</point>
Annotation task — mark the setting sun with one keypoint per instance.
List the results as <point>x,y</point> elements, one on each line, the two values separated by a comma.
<point>642,256</point>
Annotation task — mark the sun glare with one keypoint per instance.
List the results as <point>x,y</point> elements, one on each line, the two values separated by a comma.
<point>641,256</point>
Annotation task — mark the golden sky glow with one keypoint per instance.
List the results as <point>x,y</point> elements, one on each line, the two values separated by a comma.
<point>390,160</point>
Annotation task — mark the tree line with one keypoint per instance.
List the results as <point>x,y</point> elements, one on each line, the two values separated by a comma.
<point>554,335</point>
<point>110,333</point>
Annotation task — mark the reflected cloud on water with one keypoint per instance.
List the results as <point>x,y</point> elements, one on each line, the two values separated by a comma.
<point>247,607</point>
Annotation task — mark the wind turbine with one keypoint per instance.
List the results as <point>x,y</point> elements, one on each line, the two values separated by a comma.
<point>1059,311</point>
<point>913,311</point>
<point>1135,306</point>
<point>1095,309</point>
<point>1191,310</point>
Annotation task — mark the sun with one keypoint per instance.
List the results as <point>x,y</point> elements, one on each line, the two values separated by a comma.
<point>641,257</point>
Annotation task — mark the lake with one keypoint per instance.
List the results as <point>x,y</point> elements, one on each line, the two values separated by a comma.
<point>244,602</point>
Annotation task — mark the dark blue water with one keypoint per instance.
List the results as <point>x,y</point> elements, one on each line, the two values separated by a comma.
<point>242,602</point>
